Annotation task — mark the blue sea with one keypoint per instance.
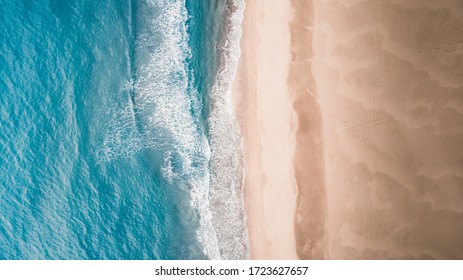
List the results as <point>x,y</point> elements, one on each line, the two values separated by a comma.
<point>117,133</point>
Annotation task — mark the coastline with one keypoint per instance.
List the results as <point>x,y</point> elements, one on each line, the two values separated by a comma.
<point>279,119</point>
<point>227,213</point>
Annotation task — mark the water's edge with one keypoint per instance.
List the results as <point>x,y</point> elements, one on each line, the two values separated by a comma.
<point>227,153</point>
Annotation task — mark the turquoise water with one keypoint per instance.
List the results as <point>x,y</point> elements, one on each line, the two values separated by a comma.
<point>105,143</point>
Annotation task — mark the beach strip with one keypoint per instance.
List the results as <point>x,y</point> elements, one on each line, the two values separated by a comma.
<point>277,111</point>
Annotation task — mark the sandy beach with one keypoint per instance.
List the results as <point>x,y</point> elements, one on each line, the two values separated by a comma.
<point>390,78</point>
<point>264,113</point>
<point>279,119</point>
<point>351,114</point>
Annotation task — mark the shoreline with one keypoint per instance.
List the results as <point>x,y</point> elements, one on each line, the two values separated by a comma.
<point>227,213</point>
<point>268,92</point>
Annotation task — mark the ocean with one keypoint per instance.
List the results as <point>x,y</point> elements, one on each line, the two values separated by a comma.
<point>117,133</point>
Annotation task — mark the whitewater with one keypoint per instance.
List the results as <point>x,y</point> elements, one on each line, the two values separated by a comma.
<point>207,159</point>
<point>119,139</point>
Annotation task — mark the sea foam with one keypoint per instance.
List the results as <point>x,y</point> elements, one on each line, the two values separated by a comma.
<point>160,115</point>
<point>163,115</point>
<point>227,156</point>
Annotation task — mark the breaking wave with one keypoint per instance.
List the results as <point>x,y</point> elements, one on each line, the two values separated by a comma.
<point>163,114</point>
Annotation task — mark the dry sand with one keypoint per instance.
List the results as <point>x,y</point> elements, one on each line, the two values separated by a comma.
<point>352,119</point>
<point>390,78</point>
<point>264,112</point>
<point>279,117</point>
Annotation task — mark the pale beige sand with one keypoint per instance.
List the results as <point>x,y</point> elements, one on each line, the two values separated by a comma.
<point>390,78</point>
<point>387,76</point>
<point>310,228</point>
<point>267,123</point>
<point>278,112</point>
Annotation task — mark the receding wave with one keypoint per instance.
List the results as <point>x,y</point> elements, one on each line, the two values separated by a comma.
<point>160,115</point>
<point>227,156</point>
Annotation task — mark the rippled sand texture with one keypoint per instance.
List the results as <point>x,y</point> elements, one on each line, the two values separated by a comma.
<point>390,79</point>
